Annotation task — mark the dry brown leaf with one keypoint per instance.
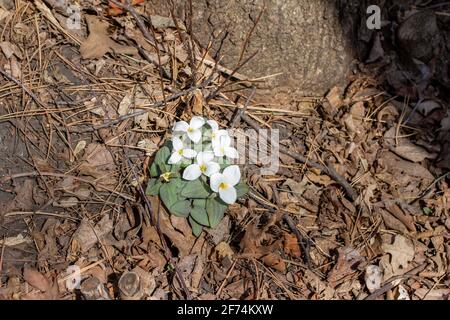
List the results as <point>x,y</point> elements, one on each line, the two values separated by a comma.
<point>392,223</point>
<point>434,294</point>
<point>291,246</point>
<point>125,104</point>
<point>401,251</point>
<point>405,148</point>
<point>182,239</point>
<point>99,43</point>
<point>87,235</point>
<point>36,279</point>
<point>223,250</point>
<point>273,260</point>
<point>319,179</point>
<point>348,258</point>
<point>197,102</point>
<point>99,164</point>
<point>147,281</point>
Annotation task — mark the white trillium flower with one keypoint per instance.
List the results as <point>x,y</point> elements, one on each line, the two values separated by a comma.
<point>180,152</point>
<point>191,129</point>
<point>224,183</point>
<point>204,165</point>
<point>216,132</point>
<point>223,148</point>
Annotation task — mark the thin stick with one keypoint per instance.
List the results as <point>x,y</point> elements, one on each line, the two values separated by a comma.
<point>240,112</point>
<point>390,283</point>
<point>62,175</point>
<point>140,112</point>
<point>328,169</point>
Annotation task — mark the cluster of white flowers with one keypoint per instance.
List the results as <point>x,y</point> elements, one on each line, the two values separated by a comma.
<point>206,161</point>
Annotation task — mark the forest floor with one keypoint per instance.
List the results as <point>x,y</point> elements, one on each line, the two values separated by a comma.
<point>359,208</point>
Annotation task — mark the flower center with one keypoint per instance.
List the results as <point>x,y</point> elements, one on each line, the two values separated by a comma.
<point>203,168</point>
<point>166,176</point>
<point>190,130</point>
<point>223,186</point>
<point>180,152</point>
<point>222,149</point>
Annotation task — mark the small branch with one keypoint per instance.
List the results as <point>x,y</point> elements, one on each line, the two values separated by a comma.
<point>329,170</point>
<point>155,105</point>
<point>240,112</point>
<point>390,283</point>
<point>300,238</point>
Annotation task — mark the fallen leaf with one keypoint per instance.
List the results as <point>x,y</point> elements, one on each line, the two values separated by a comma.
<point>373,277</point>
<point>87,235</point>
<point>291,246</point>
<point>348,258</point>
<point>405,148</point>
<point>99,43</point>
<point>434,294</point>
<point>401,251</point>
<point>197,102</point>
<point>14,241</point>
<point>36,279</point>
<point>99,164</point>
<point>223,250</point>
<point>124,105</point>
<point>79,147</point>
<point>273,260</point>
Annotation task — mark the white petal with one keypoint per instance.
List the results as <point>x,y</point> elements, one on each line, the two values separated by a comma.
<point>222,132</point>
<point>192,172</point>
<point>218,152</point>
<point>212,168</point>
<point>232,174</point>
<point>215,180</point>
<point>197,122</point>
<point>207,156</point>
<point>189,153</point>
<point>177,143</point>
<point>180,126</point>
<point>224,140</point>
<point>213,124</point>
<point>228,195</point>
<point>195,135</point>
<point>231,153</point>
<point>216,136</point>
<point>174,158</point>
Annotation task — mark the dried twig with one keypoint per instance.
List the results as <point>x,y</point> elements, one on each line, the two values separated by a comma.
<point>240,112</point>
<point>328,169</point>
<point>391,283</point>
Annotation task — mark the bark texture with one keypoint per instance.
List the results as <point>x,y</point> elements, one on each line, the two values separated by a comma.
<point>303,39</point>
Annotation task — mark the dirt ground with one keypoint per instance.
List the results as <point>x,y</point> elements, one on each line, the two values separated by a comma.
<point>359,208</point>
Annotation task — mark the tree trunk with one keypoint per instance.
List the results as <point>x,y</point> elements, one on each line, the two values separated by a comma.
<point>303,39</point>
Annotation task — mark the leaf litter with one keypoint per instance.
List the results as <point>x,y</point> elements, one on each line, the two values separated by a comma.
<point>109,96</point>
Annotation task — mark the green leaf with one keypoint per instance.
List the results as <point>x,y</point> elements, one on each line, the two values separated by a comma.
<point>427,211</point>
<point>224,162</point>
<point>168,194</point>
<point>196,189</point>
<point>196,228</point>
<point>181,208</point>
<point>198,212</point>
<point>215,209</point>
<point>161,159</point>
<point>154,171</point>
<point>153,187</point>
<point>241,189</point>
